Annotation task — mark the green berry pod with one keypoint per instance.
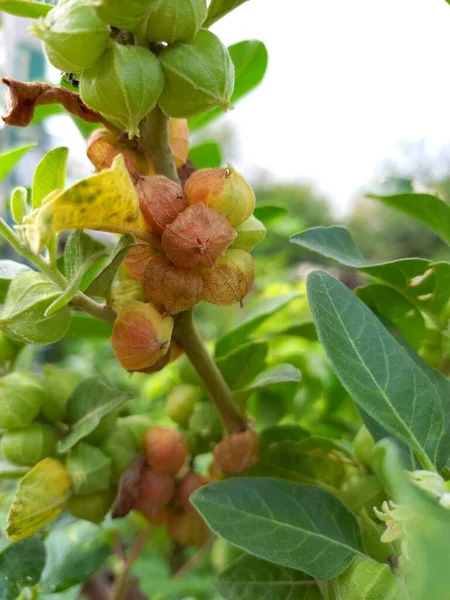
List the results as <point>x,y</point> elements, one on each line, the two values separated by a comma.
<point>29,445</point>
<point>104,428</point>
<point>120,447</point>
<point>21,398</point>
<point>89,468</point>
<point>249,233</point>
<point>59,385</point>
<point>126,18</point>
<point>181,401</point>
<point>174,20</point>
<point>363,445</point>
<point>136,427</point>
<point>9,349</point>
<point>199,76</point>
<point>124,86</point>
<point>91,507</point>
<point>205,422</point>
<point>73,35</point>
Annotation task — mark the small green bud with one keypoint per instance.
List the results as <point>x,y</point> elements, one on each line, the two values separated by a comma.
<point>73,36</point>
<point>363,444</point>
<point>123,17</point>
<point>124,86</point>
<point>199,76</point>
<point>29,445</point>
<point>59,384</point>
<point>136,426</point>
<point>174,20</point>
<point>89,468</point>
<point>91,507</point>
<point>21,398</point>
<point>19,204</point>
<point>249,233</point>
<point>181,401</point>
<point>23,317</point>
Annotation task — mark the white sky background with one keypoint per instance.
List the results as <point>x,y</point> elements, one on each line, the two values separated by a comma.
<point>348,82</point>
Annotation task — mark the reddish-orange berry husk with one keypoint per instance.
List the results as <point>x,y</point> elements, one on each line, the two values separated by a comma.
<point>160,200</point>
<point>179,140</point>
<point>174,352</point>
<point>230,280</point>
<point>155,516</point>
<point>170,288</point>
<point>141,336</point>
<point>197,238</point>
<point>186,486</point>
<point>166,449</point>
<point>238,452</point>
<point>103,146</point>
<point>156,490</point>
<point>187,528</point>
<point>137,259</point>
<point>215,473</point>
<point>224,190</point>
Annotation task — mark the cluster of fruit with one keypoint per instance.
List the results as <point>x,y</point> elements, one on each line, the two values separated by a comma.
<point>166,59</point>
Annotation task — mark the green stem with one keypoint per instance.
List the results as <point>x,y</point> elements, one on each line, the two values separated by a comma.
<point>190,340</point>
<point>155,137</point>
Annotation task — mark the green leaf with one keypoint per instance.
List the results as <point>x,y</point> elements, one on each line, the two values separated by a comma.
<point>219,8</point>
<point>91,400</point>
<point>249,578</point>
<point>243,364</point>
<point>101,285</point>
<point>206,155</point>
<point>423,283</point>
<point>87,327</point>
<point>376,371</point>
<point>19,204</point>
<point>429,210</point>
<point>80,247</point>
<point>297,526</point>
<point>9,159</point>
<point>282,433</point>
<point>250,63</point>
<point>21,565</point>
<point>9,269</point>
<point>263,310</point>
<point>73,555</point>
<point>50,175</point>
<point>280,374</point>
<point>269,212</point>
<point>392,305</point>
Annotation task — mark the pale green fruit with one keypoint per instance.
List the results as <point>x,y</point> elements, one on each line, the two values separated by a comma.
<point>181,401</point>
<point>362,491</point>
<point>199,76</point>
<point>120,447</point>
<point>59,384</point>
<point>9,349</point>
<point>21,398</point>
<point>249,233</point>
<point>104,428</point>
<point>73,36</point>
<point>91,507</point>
<point>175,20</point>
<point>23,317</point>
<point>89,468</point>
<point>118,14</point>
<point>363,444</point>
<point>29,445</point>
<point>124,86</point>
<point>136,427</point>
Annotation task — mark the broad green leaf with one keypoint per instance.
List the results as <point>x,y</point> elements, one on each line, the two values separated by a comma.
<point>41,496</point>
<point>87,327</point>
<point>101,285</point>
<point>10,158</point>
<point>19,204</point>
<point>269,212</point>
<point>249,578</point>
<point>280,374</point>
<point>219,8</point>
<point>206,155</point>
<point>106,201</point>
<point>250,63</point>
<point>392,305</point>
<point>80,248</point>
<point>423,283</point>
<point>21,565</point>
<point>264,309</point>
<point>243,364</point>
<point>305,329</point>
<point>429,210</point>
<point>74,553</point>
<point>376,371</point>
<point>297,526</point>
<point>364,579</point>
<point>91,400</point>
<point>9,269</point>
<point>50,175</point>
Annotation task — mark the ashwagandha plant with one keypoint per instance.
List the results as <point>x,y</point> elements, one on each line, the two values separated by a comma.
<point>316,512</point>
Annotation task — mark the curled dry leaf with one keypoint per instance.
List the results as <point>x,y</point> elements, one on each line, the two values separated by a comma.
<point>22,98</point>
<point>160,200</point>
<point>230,280</point>
<point>103,146</point>
<point>129,487</point>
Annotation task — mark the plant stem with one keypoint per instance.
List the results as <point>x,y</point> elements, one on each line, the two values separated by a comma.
<point>155,137</point>
<point>97,310</point>
<point>190,340</point>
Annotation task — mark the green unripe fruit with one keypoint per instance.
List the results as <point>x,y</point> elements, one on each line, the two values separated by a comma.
<point>249,233</point>
<point>29,445</point>
<point>116,13</point>
<point>205,422</point>
<point>89,468</point>
<point>9,349</point>
<point>73,36</point>
<point>124,86</point>
<point>362,492</point>
<point>91,507</point>
<point>174,20</point>
<point>59,384</point>
<point>119,446</point>
<point>135,427</point>
<point>21,398</point>
<point>363,444</point>
<point>104,428</point>
<point>181,401</point>
<point>199,76</point>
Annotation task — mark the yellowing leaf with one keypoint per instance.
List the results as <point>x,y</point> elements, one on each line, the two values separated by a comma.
<point>106,201</point>
<point>40,497</point>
